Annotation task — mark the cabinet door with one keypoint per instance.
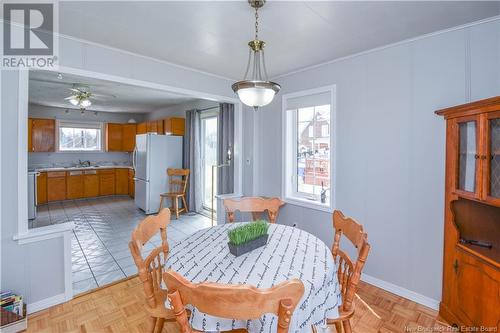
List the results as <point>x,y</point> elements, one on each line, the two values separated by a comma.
<point>106,182</point>
<point>142,128</point>
<point>152,126</point>
<point>478,292</point>
<point>492,159</point>
<point>56,186</point>
<point>90,184</point>
<point>43,132</point>
<point>131,183</point>
<point>159,127</point>
<point>113,137</point>
<point>30,134</point>
<point>41,188</point>
<point>121,181</point>
<point>129,131</point>
<point>468,158</point>
<point>178,125</point>
<point>74,185</point>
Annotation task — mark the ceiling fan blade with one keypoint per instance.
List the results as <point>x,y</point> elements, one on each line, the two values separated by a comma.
<point>70,97</point>
<point>101,96</point>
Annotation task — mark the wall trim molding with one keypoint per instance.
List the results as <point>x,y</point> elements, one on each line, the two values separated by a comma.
<point>400,291</point>
<point>380,48</point>
<point>46,303</point>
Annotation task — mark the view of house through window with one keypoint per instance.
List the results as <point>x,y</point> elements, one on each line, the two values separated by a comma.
<point>313,152</point>
<point>80,137</point>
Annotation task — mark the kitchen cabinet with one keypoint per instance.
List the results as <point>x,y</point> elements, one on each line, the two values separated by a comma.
<point>41,134</point>
<point>131,183</point>
<point>174,126</point>
<point>74,184</point>
<point>128,137</point>
<point>121,181</point>
<point>106,182</point>
<point>114,137</point>
<point>56,186</point>
<point>41,188</point>
<point>90,183</point>
<point>142,128</point>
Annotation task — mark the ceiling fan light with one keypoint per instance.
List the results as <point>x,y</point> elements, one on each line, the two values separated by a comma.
<point>73,101</point>
<point>85,103</point>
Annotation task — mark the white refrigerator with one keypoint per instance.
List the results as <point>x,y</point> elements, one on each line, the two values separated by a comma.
<point>153,155</point>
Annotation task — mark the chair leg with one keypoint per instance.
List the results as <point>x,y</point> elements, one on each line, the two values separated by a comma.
<point>159,325</point>
<point>338,327</point>
<point>161,203</point>
<point>185,204</point>
<point>347,326</point>
<point>176,207</point>
<point>151,324</point>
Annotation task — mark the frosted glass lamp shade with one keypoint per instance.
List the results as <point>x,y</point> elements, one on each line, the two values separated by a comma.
<point>256,93</point>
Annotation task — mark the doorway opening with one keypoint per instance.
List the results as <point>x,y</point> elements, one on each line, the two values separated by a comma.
<point>209,135</point>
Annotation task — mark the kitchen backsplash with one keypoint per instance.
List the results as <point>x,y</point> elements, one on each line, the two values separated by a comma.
<point>38,160</point>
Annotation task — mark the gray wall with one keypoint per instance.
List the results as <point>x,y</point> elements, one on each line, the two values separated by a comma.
<point>34,270</point>
<point>390,145</point>
<point>179,110</point>
<point>44,159</point>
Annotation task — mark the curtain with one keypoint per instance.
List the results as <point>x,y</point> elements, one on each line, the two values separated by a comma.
<point>192,160</point>
<point>225,141</point>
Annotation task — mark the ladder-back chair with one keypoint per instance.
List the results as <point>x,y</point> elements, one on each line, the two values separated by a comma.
<point>255,205</point>
<point>177,186</point>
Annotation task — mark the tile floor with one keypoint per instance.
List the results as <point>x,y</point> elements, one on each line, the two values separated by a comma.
<point>100,253</point>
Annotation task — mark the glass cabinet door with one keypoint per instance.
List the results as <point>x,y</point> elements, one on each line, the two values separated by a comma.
<point>494,157</point>
<point>467,156</point>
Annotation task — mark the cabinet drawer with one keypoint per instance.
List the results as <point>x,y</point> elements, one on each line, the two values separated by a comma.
<point>53,174</point>
<point>107,172</point>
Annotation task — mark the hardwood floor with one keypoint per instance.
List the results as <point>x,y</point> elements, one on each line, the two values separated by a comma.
<point>118,308</point>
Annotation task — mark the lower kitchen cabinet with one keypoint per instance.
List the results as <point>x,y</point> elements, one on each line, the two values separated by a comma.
<point>90,184</point>
<point>74,184</point>
<point>41,188</point>
<point>56,186</point>
<point>107,182</point>
<point>121,181</point>
<point>131,183</point>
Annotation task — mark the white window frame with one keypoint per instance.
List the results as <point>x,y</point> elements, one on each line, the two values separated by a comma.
<point>60,123</point>
<point>289,155</point>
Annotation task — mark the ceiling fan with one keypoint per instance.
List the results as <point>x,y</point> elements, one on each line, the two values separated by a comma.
<point>81,96</point>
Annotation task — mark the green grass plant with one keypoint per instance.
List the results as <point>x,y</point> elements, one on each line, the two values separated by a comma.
<point>247,232</point>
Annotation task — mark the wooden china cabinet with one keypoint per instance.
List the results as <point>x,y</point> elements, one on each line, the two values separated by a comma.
<point>471,272</point>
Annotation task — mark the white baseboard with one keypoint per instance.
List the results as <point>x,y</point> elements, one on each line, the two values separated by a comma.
<point>400,291</point>
<point>46,303</point>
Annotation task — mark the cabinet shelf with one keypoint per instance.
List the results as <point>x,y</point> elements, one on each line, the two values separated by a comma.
<point>491,256</point>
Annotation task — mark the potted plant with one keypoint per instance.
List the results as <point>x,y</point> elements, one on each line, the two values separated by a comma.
<point>247,237</point>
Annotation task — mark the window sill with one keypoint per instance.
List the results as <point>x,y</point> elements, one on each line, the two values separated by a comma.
<point>43,233</point>
<point>308,204</point>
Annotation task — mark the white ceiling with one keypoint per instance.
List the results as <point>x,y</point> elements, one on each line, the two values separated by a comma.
<point>212,35</point>
<point>45,88</point>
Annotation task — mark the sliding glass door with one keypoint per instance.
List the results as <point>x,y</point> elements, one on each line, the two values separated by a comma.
<point>209,158</point>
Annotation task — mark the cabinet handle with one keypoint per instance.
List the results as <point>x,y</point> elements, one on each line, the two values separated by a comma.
<point>483,157</point>
<point>455,266</point>
<point>476,156</point>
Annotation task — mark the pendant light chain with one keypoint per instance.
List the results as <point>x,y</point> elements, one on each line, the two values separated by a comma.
<point>256,23</point>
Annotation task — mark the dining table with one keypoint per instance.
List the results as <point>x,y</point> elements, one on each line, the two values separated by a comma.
<point>289,253</point>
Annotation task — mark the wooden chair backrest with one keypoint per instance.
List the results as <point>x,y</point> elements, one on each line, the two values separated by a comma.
<point>254,205</point>
<point>349,273</point>
<point>240,302</point>
<point>151,268</point>
<point>178,180</point>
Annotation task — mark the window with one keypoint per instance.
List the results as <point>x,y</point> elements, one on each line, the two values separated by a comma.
<point>308,148</point>
<point>76,136</point>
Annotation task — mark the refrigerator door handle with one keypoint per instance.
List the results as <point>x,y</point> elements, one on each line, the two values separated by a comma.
<point>134,155</point>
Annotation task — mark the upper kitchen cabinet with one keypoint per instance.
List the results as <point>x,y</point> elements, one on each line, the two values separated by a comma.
<point>114,137</point>
<point>41,135</point>
<point>174,126</point>
<point>152,126</point>
<point>128,134</point>
<point>142,128</point>
<point>120,137</point>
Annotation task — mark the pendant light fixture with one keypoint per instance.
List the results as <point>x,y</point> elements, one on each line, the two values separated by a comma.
<point>256,91</point>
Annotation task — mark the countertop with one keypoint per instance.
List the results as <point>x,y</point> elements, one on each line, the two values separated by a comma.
<point>48,169</point>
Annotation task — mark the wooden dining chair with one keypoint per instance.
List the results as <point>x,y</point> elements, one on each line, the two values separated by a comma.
<point>255,205</point>
<point>151,268</point>
<point>177,186</point>
<point>239,302</point>
<point>348,273</point>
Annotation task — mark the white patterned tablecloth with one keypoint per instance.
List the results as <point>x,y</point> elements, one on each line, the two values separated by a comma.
<point>290,253</point>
